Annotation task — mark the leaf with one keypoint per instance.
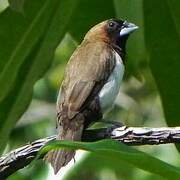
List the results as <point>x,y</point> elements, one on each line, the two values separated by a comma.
<point>162,36</point>
<point>132,11</point>
<point>116,153</point>
<point>17,5</point>
<point>86,166</point>
<point>27,53</point>
<point>88,14</point>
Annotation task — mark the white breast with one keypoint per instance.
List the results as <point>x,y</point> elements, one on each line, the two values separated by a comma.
<point>110,90</point>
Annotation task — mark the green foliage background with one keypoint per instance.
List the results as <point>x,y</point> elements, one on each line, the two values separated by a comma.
<point>36,39</point>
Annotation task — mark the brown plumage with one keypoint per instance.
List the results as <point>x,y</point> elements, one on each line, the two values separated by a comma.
<point>86,73</point>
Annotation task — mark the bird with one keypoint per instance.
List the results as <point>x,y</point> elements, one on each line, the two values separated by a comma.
<point>91,83</point>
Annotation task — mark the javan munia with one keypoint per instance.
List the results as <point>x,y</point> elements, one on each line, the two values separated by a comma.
<point>91,83</point>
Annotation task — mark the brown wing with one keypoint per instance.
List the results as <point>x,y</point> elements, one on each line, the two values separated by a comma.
<point>87,70</point>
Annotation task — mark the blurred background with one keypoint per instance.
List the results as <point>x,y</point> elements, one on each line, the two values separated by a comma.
<point>149,94</point>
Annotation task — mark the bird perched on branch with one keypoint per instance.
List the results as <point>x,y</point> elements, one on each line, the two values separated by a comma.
<point>91,83</point>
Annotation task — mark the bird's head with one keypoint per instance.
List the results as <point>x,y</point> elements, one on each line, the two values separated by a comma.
<point>112,31</point>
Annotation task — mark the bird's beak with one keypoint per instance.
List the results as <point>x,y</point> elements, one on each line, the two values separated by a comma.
<point>127,28</point>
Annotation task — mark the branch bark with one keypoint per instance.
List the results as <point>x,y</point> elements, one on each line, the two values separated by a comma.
<point>22,156</point>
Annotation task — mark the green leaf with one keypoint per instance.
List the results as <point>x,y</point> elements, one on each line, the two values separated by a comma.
<point>92,165</point>
<point>88,14</point>
<point>132,11</point>
<point>17,5</point>
<point>17,43</point>
<point>162,35</point>
<point>27,53</point>
<point>117,152</point>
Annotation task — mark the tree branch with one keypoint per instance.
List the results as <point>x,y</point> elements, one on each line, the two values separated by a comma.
<point>22,156</point>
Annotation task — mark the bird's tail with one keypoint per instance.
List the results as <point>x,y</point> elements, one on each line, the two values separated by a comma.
<point>60,158</point>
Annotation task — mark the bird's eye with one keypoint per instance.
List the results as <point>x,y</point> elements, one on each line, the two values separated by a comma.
<point>111,24</point>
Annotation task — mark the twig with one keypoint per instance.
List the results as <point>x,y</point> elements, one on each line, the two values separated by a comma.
<point>22,156</point>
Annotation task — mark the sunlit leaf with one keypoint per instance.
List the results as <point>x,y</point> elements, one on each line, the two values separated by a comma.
<point>118,152</point>
<point>27,46</point>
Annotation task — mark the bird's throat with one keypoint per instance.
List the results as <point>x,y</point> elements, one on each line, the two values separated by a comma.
<point>120,46</point>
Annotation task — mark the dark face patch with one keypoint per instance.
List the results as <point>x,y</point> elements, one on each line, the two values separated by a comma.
<point>114,27</point>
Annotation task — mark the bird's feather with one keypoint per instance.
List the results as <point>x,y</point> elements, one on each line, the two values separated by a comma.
<point>110,89</point>
<point>87,71</point>
<point>86,75</point>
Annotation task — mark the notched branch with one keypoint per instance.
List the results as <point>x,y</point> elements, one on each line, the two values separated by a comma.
<point>22,156</point>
